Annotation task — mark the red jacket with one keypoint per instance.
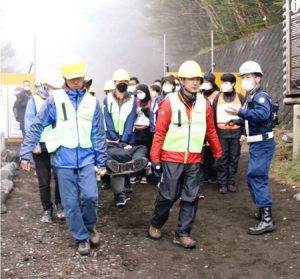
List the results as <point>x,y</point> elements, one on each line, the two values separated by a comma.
<point>163,121</point>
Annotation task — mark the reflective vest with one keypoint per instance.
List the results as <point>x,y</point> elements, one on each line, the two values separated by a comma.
<point>186,134</point>
<point>119,113</point>
<point>73,128</point>
<point>39,101</point>
<point>222,116</point>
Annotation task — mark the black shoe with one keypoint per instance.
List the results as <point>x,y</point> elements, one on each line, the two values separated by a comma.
<point>113,165</point>
<point>140,164</point>
<point>266,223</point>
<point>47,216</point>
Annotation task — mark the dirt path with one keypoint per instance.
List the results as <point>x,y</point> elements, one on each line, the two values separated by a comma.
<point>31,249</point>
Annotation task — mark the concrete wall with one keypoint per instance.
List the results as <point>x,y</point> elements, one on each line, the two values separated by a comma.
<point>265,48</point>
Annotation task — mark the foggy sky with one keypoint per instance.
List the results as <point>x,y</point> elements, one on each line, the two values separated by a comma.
<point>108,34</point>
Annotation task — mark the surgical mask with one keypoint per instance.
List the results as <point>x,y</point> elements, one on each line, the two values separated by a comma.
<point>226,87</point>
<point>131,88</point>
<point>177,88</point>
<point>141,95</point>
<point>248,85</point>
<point>167,88</point>
<point>205,86</point>
<point>27,88</point>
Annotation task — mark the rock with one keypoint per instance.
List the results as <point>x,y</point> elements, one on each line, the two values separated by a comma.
<point>297,197</point>
<point>288,138</point>
<point>4,198</point>
<point>8,171</point>
<point>6,186</point>
<point>10,156</point>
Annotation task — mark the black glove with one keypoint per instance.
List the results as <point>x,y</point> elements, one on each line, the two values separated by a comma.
<point>232,122</point>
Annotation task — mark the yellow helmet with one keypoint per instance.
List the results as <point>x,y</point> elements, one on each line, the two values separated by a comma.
<point>109,85</point>
<point>190,69</point>
<point>73,66</point>
<point>121,74</point>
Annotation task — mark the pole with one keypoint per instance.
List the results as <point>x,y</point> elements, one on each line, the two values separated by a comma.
<point>164,55</point>
<point>212,49</point>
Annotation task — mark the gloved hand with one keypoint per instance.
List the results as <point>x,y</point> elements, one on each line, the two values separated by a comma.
<point>232,122</point>
<point>127,147</point>
<point>156,169</point>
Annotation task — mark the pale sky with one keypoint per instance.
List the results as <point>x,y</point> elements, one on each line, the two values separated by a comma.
<point>108,34</point>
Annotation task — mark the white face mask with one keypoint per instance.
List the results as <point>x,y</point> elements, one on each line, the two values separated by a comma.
<point>226,87</point>
<point>131,88</point>
<point>206,86</point>
<point>248,85</point>
<point>26,87</point>
<point>141,95</point>
<point>167,88</point>
<point>177,88</point>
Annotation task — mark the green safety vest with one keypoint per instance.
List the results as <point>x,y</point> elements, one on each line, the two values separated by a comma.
<point>39,101</point>
<point>73,128</point>
<point>119,113</point>
<point>186,135</point>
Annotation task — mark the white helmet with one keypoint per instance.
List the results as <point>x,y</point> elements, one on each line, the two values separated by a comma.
<point>54,79</point>
<point>250,67</point>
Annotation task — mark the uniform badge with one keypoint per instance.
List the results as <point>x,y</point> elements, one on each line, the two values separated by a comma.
<point>261,100</point>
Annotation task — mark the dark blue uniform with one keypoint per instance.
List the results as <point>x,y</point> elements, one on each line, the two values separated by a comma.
<point>258,113</point>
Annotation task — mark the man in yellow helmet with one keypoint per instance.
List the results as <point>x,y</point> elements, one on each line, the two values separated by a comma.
<point>120,113</point>
<point>78,144</point>
<point>184,120</point>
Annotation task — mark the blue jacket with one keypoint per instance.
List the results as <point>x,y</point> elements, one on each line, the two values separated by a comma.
<point>31,113</point>
<point>65,157</point>
<point>128,135</point>
<point>258,112</point>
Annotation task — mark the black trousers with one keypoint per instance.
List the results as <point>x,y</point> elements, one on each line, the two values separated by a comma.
<point>229,161</point>
<point>178,181</point>
<point>118,153</point>
<point>43,171</point>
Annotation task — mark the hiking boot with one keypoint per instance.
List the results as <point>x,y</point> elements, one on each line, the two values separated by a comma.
<point>154,233</point>
<point>144,180</point>
<point>223,189</point>
<point>184,241</point>
<point>231,188</point>
<point>266,223</point>
<point>94,236</point>
<point>121,200</point>
<point>84,248</point>
<point>60,212</point>
<point>140,164</point>
<point>47,216</point>
<point>113,165</point>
